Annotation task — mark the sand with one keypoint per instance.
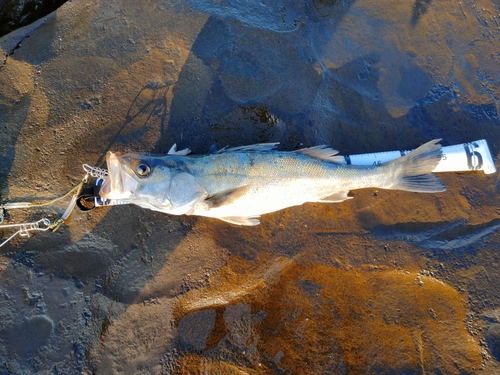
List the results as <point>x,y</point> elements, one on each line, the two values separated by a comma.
<point>387,282</point>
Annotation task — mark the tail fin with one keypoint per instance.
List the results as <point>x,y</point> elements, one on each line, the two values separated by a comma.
<point>414,170</point>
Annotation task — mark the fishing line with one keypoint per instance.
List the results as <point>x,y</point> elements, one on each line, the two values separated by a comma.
<point>15,205</point>
<point>45,224</point>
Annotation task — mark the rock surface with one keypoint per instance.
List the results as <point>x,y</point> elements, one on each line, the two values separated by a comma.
<point>386,282</point>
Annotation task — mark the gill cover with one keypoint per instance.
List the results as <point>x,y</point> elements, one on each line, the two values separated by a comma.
<point>184,192</point>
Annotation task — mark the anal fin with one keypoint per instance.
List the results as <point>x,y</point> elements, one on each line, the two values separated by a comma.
<point>336,197</point>
<point>241,220</point>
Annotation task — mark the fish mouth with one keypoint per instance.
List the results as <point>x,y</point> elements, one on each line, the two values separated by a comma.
<point>119,184</point>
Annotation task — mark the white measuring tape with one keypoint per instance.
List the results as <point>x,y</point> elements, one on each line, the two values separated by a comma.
<point>472,156</point>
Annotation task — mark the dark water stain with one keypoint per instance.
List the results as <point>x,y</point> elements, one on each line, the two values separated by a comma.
<point>27,337</point>
<point>194,329</point>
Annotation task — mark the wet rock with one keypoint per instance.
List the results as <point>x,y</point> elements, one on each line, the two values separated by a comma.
<point>335,319</point>
<point>361,76</point>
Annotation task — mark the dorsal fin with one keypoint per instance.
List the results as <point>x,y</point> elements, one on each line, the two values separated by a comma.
<point>258,147</point>
<point>322,152</point>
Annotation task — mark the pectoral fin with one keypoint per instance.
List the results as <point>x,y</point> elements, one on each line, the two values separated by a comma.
<point>335,198</point>
<point>226,197</point>
<point>241,220</point>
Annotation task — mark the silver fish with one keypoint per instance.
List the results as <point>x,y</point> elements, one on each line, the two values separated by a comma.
<point>239,184</point>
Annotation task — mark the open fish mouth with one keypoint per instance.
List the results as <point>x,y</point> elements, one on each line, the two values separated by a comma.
<point>119,184</point>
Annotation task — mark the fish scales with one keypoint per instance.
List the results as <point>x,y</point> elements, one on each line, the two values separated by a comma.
<point>283,168</point>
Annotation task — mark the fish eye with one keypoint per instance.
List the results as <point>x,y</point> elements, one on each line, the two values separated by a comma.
<point>142,170</point>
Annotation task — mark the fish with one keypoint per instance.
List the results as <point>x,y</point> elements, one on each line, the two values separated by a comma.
<point>240,184</point>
